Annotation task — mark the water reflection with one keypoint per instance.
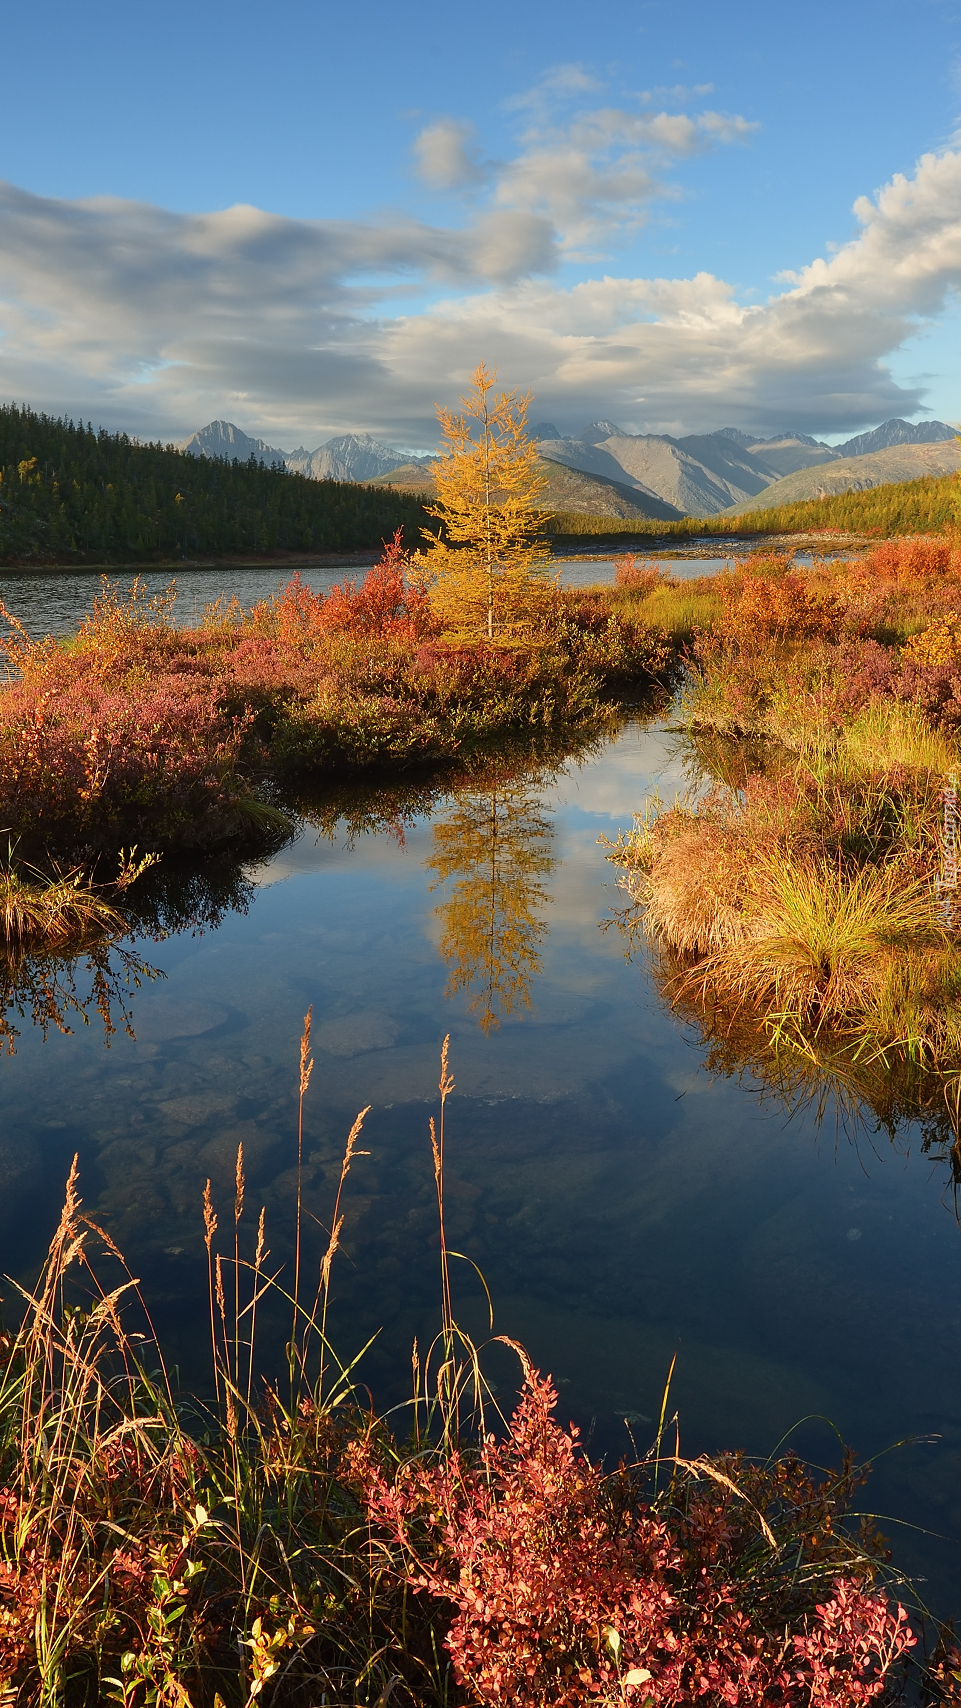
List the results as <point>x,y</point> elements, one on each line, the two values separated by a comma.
<point>621,1202</point>
<point>58,992</point>
<point>493,850</point>
<point>824,1077</point>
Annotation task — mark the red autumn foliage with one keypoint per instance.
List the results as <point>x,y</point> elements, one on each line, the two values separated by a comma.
<point>914,560</point>
<point>629,573</point>
<point>385,604</point>
<point>558,1596</point>
<point>759,610</point>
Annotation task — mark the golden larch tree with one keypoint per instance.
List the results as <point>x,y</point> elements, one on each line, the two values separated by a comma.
<point>487,565</point>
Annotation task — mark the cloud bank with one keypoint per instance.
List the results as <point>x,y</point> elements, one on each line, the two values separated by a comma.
<point>157,321</point>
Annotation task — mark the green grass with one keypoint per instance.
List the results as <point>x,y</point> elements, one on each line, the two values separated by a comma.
<point>680,610</point>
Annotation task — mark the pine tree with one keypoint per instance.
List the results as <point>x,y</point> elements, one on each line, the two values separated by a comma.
<point>487,565</point>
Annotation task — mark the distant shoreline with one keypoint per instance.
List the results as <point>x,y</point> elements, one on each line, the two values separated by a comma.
<point>647,545</point>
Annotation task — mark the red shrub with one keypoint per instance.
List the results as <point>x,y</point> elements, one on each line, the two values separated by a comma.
<point>759,610</point>
<point>384,604</point>
<point>914,559</point>
<point>155,760</point>
<point>558,1597</point>
<point>629,573</point>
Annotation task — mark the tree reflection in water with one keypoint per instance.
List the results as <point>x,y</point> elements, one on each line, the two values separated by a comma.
<point>493,850</point>
<point>63,990</point>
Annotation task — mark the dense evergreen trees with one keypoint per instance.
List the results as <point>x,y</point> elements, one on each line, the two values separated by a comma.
<point>70,495</point>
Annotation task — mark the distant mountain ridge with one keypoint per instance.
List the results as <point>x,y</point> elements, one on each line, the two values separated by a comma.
<point>702,474</point>
<point>896,432</point>
<point>888,466</point>
<point>649,474</point>
<point>348,457</point>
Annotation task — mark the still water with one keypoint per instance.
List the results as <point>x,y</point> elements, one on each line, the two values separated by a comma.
<point>623,1202</point>
<point>54,601</point>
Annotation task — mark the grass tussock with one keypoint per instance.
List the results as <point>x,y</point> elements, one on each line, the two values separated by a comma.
<point>57,912</point>
<point>801,881</point>
<point>284,1544</point>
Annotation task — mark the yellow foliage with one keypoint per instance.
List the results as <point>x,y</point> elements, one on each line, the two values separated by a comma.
<point>487,567</point>
<point>940,642</point>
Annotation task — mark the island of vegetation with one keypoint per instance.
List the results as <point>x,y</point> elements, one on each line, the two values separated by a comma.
<point>138,733</point>
<point>282,1543</point>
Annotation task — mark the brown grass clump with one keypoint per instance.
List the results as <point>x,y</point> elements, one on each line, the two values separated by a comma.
<point>817,942</point>
<point>53,912</point>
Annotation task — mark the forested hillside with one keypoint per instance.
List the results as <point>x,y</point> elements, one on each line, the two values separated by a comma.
<point>928,506</point>
<point>72,495</point>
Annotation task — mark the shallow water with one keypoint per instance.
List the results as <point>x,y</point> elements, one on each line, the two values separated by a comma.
<point>622,1204</point>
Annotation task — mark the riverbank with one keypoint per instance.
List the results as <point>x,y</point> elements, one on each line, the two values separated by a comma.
<point>581,546</point>
<point>362,558</point>
<point>800,882</point>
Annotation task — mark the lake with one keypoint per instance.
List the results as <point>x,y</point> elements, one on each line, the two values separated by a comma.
<point>623,1201</point>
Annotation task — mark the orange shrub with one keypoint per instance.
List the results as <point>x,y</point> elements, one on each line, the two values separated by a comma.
<point>384,604</point>
<point>629,573</point>
<point>758,611</point>
<point>914,559</point>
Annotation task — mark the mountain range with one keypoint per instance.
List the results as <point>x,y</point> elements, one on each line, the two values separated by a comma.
<point>351,456</point>
<point>702,474</point>
<point>605,471</point>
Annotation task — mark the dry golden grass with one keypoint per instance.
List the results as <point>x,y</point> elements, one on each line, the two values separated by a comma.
<point>817,942</point>
<point>53,912</point>
<point>694,888</point>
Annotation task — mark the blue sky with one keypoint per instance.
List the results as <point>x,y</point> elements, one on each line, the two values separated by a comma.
<point>603,202</point>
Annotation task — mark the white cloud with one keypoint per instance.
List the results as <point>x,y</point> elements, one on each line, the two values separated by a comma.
<point>559,83</point>
<point>596,171</point>
<point>591,170</point>
<point>157,321</point>
<point>446,159</point>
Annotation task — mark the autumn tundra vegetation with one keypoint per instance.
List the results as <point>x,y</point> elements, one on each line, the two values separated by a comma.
<point>276,1540</point>
<point>138,734</point>
<point>280,1542</point>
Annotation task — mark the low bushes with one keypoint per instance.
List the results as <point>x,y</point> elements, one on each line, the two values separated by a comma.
<point>284,1544</point>
<point>801,884</point>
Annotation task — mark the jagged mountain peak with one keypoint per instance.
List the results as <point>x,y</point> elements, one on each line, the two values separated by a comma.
<point>735,434</point>
<point>896,432</point>
<point>597,431</point>
<point>226,439</point>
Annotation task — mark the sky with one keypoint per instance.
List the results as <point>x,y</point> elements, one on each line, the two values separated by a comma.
<point>318,219</point>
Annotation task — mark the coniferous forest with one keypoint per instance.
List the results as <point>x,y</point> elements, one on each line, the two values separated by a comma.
<point>69,494</point>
